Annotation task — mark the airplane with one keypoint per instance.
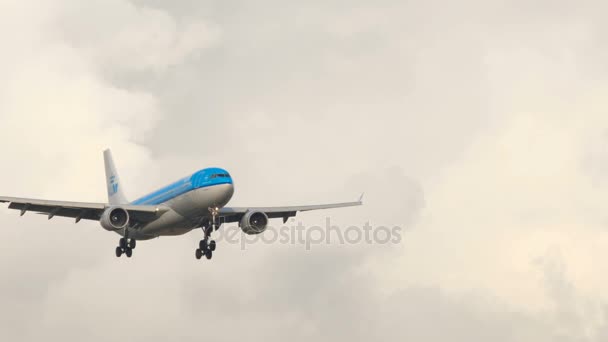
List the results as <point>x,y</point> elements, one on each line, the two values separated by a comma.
<point>196,201</point>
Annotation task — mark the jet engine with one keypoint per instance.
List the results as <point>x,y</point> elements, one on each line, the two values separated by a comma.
<point>114,218</point>
<point>254,222</point>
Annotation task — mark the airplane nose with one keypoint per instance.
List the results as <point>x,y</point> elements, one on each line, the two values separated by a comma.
<point>228,192</point>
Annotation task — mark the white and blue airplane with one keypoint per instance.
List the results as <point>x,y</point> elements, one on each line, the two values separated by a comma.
<point>196,201</point>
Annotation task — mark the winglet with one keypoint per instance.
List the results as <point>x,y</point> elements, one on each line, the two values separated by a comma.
<point>361,198</point>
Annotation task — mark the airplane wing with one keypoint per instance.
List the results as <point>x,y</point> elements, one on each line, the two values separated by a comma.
<point>228,214</point>
<point>80,210</point>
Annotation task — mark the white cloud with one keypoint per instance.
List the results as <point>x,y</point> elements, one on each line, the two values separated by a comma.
<point>57,113</point>
<point>481,127</point>
<point>118,34</point>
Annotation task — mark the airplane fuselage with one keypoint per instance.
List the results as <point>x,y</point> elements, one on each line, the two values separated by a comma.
<point>188,200</point>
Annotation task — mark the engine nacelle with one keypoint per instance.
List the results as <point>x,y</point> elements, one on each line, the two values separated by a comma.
<point>114,218</point>
<point>254,222</point>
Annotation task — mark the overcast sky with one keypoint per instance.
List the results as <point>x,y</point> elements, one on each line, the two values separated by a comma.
<point>480,127</point>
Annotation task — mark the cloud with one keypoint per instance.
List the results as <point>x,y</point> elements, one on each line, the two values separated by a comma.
<point>57,113</point>
<point>479,127</point>
<point>119,35</point>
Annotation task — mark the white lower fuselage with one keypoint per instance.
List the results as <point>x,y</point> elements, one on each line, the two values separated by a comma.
<point>185,213</point>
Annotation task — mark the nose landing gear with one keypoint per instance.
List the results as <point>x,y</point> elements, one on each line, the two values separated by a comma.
<point>206,247</point>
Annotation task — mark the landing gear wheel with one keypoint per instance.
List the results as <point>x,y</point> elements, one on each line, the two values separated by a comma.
<point>132,243</point>
<point>122,243</point>
<point>128,252</point>
<point>206,247</point>
<point>118,252</point>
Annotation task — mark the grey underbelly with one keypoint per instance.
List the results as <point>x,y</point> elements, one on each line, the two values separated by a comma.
<point>186,214</point>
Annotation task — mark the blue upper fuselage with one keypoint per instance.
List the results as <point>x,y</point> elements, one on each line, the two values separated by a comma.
<point>200,179</point>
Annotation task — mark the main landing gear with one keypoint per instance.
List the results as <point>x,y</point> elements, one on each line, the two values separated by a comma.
<point>206,247</point>
<point>125,246</point>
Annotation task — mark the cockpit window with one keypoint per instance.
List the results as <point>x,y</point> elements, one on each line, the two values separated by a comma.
<point>220,175</point>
